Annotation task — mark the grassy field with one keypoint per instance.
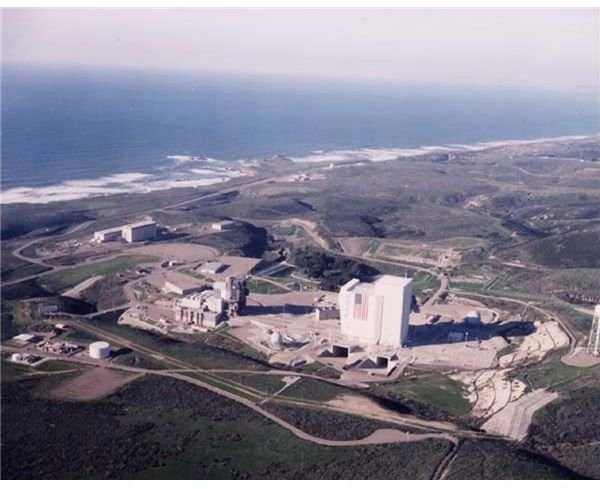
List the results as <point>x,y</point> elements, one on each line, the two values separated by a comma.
<point>57,366</point>
<point>64,279</point>
<point>269,384</point>
<point>258,286</point>
<point>435,389</point>
<point>321,370</point>
<point>12,371</point>
<point>197,351</point>
<point>315,390</point>
<point>555,375</point>
<point>423,281</point>
<point>501,460</point>
<point>14,268</point>
<point>329,425</point>
<point>568,429</point>
<point>166,429</point>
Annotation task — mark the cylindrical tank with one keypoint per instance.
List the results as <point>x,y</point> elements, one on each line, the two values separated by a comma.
<point>473,317</point>
<point>99,349</point>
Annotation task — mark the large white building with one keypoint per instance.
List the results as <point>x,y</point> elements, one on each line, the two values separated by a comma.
<point>181,284</point>
<point>376,313</point>
<point>105,235</point>
<point>139,231</point>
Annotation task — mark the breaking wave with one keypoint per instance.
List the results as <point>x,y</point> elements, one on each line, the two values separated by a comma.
<point>118,183</point>
<point>199,171</point>
<point>386,154</point>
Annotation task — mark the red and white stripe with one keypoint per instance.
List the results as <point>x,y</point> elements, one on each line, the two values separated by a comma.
<point>361,307</point>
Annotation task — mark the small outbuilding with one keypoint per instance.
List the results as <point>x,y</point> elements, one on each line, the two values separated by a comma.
<point>223,225</point>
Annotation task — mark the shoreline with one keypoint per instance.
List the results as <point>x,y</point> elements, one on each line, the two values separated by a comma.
<point>196,177</point>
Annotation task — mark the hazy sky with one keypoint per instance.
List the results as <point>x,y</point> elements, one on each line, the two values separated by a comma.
<point>555,49</point>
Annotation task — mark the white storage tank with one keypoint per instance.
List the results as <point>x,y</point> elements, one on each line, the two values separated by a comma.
<point>473,317</point>
<point>99,350</point>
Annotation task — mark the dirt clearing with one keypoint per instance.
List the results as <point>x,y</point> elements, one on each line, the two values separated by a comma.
<point>93,384</point>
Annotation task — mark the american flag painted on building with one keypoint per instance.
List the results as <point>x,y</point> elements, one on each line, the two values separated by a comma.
<point>361,307</point>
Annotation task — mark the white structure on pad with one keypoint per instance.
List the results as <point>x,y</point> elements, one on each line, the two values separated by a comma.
<point>594,341</point>
<point>376,313</point>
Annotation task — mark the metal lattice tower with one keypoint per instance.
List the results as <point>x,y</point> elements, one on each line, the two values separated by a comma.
<point>594,343</point>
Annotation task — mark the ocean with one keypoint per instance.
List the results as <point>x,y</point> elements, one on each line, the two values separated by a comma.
<point>75,132</point>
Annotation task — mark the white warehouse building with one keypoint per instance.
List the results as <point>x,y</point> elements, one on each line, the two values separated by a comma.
<point>105,235</point>
<point>139,231</point>
<point>376,313</point>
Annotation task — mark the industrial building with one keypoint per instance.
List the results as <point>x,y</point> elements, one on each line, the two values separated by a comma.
<point>59,347</point>
<point>25,338</point>
<point>376,313</point>
<point>202,309</point>
<point>208,308</point>
<point>181,284</point>
<point>105,235</point>
<point>233,292</point>
<point>140,231</point>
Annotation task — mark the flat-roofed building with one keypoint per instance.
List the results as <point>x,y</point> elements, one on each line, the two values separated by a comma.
<point>140,231</point>
<point>24,338</point>
<point>223,225</point>
<point>105,235</point>
<point>181,284</point>
<point>376,313</point>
